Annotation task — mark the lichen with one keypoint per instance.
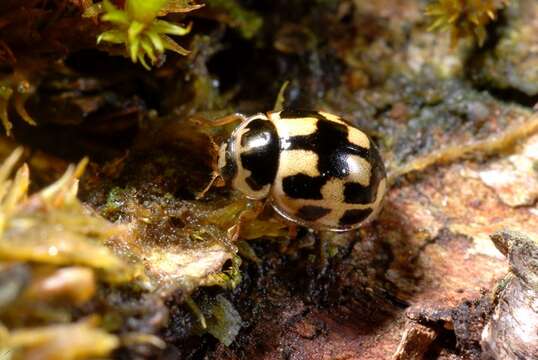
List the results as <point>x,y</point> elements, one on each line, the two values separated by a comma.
<point>511,331</point>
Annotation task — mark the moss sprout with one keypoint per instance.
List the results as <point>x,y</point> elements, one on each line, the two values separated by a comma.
<point>229,278</point>
<point>137,27</point>
<point>464,18</point>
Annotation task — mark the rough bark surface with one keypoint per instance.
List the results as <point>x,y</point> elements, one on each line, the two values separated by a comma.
<point>140,258</point>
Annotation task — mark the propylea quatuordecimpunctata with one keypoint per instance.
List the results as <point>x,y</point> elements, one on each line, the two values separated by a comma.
<point>315,169</point>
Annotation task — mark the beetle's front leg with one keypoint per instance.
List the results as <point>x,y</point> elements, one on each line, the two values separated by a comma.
<point>228,119</point>
<point>322,253</point>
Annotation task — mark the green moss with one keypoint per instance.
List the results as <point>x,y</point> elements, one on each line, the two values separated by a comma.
<point>248,22</point>
<point>229,278</point>
<point>137,28</point>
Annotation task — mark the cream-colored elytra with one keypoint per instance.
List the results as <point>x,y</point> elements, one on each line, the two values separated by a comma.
<point>299,161</point>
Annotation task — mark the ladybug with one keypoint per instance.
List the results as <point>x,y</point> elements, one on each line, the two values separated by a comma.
<point>313,167</point>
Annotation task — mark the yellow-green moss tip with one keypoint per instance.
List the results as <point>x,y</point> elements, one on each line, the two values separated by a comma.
<point>464,18</point>
<point>144,36</point>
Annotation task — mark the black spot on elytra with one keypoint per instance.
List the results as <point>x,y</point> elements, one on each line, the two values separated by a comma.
<point>312,213</point>
<point>302,186</point>
<point>330,143</point>
<point>355,216</point>
<point>295,114</point>
<point>262,156</point>
<point>355,193</point>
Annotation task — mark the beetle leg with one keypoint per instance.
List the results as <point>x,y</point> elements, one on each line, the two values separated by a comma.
<point>228,119</point>
<point>279,102</point>
<point>215,180</point>
<point>323,253</point>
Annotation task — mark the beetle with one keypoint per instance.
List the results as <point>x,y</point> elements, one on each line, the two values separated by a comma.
<point>314,168</point>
